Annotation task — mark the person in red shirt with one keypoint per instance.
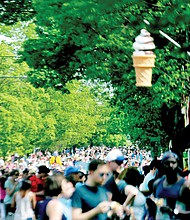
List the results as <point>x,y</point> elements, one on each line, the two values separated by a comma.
<point>37,185</point>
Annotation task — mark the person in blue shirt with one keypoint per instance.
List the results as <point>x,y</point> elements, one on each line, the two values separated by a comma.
<point>171,191</point>
<point>91,201</point>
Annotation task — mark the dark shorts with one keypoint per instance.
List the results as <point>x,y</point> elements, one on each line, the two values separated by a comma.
<point>9,209</point>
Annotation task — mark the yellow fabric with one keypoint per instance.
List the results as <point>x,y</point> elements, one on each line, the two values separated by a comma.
<point>52,160</point>
<point>58,160</point>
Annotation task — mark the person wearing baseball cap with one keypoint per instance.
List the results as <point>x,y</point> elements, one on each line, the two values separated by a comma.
<point>74,175</point>
<point>71,170</point>
<point>114,160</point>
<point>115,155</point>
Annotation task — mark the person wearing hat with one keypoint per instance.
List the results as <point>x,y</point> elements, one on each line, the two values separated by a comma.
<point>171,190</point>
<point>74,175</point>
<point>114,160</point>
<point>38,183</point>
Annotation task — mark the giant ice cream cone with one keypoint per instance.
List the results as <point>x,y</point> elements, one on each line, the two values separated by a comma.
<point>143,58</point>
<point>143,67</point>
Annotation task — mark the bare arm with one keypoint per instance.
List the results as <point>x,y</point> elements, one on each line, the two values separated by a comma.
<point>130,192</point>
<point>77,214</point>
<point>11,191</point>
<point>14,201</point>
<point>33,199</point>
<point>54,210</point>
<point>40,193</point>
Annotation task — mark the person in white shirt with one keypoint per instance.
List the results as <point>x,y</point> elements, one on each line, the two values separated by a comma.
<point>25,202</point>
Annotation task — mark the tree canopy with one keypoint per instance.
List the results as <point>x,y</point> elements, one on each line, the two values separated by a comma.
<point>13,11</point>
<point>93,40</point>
<point>90,40</point>
<point>42,117</point>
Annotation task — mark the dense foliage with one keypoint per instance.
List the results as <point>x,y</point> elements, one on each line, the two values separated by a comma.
<point>37,117</point>
<point>90,39</point>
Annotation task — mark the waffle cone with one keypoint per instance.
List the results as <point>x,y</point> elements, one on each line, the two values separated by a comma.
<point>143,67</point>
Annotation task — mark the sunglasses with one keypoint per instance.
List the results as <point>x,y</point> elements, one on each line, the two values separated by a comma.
<point>167,163</point>
<point>81,175</point>
<point>104,174</point>
<point>16,174</point>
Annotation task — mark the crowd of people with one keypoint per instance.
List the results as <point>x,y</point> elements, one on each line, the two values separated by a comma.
<point>97,183</point>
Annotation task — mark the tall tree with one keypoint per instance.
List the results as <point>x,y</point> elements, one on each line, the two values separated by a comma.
<point>88,39</point>
<point>41,117</point>
<point>91,39</point>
